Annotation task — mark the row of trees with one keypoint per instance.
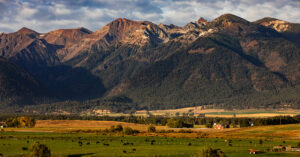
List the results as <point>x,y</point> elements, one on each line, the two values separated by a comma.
<point>176,122</point>
<point>127,130</point>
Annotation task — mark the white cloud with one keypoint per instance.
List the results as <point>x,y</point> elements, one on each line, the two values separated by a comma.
<point>27,12</point>
<point>60,9</point>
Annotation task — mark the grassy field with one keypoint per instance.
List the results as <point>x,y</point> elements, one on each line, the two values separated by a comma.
<point>59,137</point>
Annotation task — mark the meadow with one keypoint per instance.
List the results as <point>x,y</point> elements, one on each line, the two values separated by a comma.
<point>84,138</point>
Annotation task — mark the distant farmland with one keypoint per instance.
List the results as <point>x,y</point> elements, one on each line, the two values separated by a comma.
<point>195,111</point>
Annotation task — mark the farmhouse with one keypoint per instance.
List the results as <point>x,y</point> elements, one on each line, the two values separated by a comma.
<point>218,126</point>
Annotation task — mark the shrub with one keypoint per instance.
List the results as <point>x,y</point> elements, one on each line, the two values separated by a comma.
<point>20,122</point>
<point>208,125</point>
<point>260,141</point>
<point>24,148</point>
<point>209,152</point>
<point>152,142</point>
<point>128,131</point>
<point>178,123</point>
<point>151,128</point>
<point>39,150</point>
<point>27,122</point>
<point>119,128</point>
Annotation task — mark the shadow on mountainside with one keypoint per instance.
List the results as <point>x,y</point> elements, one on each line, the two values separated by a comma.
<point>65,82</point>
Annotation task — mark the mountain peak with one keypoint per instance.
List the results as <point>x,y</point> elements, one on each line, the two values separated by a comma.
<point>25,30</point>
<point>74,30</point>
<point>278,25</point>
<point>65,36</point>
<point>202,20</point>
<point>121,27</point>
<point>268,20</point>
<point>231,18</point>
<point>122,20</point>
<point>228,20</point>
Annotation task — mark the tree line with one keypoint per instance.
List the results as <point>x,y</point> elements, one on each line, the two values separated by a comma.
<point>18,122</point>
<point>176,122</point>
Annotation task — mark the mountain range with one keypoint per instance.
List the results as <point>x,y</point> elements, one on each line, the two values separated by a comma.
<point>141,65</point>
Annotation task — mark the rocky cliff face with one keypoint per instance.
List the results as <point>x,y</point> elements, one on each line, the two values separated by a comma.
<point>279,25</point>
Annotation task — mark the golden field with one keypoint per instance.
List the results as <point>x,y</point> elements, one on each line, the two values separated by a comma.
<point>291,131</point>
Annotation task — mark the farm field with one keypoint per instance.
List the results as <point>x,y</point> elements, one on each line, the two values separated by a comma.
<point>63,140</point>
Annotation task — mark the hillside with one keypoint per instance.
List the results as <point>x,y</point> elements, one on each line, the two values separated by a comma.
<point>129,65</point>
<point>17,87</point>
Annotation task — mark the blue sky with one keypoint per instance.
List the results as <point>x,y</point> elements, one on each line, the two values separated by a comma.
<point>46,15</point>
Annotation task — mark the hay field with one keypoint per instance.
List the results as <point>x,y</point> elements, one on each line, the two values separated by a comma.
<point>70,125</point>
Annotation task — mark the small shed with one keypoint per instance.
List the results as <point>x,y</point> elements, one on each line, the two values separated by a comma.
<point>293,149</point>
<point>279,148</point>
<point>253,151</point>
<point>2,124</point>
<point>288,148</point>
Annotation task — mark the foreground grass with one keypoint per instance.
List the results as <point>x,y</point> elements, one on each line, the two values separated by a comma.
<point>67,144</point>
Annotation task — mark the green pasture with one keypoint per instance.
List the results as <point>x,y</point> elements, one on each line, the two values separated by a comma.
<point>66,144</point>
